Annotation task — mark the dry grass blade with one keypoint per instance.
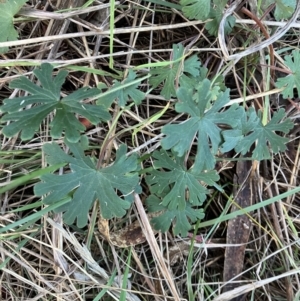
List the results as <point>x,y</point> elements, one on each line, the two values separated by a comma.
<point>99,32</point>
<point>250,287</point>
<point>35,13</point>
<point>93,266</point>
<point>156,252</point>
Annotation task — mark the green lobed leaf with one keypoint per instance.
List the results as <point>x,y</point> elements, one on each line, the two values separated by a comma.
<point>288,82</point>
<point>123,92</point>
<point>44,99</point>
<point>111,185</point>
<point>181,218</point>
<point>216,14</point>
<point>184,185</point>
<point>54,154</point>
<point>196,9</point>
<point>167,75</point>
<point>252,131</point>
<point>246,123</point>
<point>190,82</point>
<point>202,124</point>
<point>8,9</point>
<point>284,9</point>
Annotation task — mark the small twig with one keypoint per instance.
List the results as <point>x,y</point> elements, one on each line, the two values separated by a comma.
<point>254,48</point>
<point>265,33</point>
<point>39,14</point>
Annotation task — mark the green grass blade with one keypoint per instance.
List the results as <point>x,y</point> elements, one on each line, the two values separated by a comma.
<point>249,209</point>
<point>35,216</point>
<point>33,175</point>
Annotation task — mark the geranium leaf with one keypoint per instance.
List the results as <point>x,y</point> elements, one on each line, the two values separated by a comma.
<point>167,75</point>
<point>265,137</point>
<point>284,9</point>
<point>288,82</point>
<point>216,14</point>
<point>182,219</point>
<point>196,9</point>
<point>8,9</point>
<point>111,186</point>
<point>202,124</point>
<point>124,91</point>
<point>246,123</point>
<point>27,113</point>
<point>184,184</point>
